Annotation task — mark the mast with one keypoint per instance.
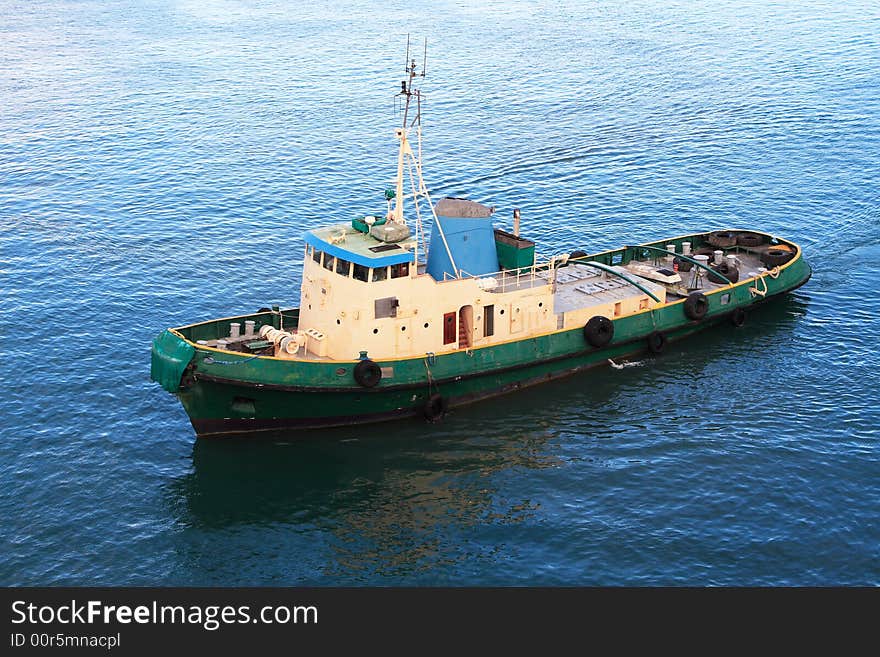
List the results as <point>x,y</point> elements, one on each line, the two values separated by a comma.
<point>409,92</point>
<point>405,156</point>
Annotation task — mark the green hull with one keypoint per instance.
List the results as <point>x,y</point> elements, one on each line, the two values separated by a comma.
<point>232,393</point>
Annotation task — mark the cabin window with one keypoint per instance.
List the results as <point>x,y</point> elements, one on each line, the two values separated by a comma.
<point>386,307</point>
<point>343,267</point>
<point>309,250</point>
<point>400,271</point>
<point>329,260</point>
<point>316,256</point>
<point>380,274</point>
<point>489,321</point>
<point>449,328</point>
<point>360,272</point>
<point>643,304</point>
<point>617,309</point>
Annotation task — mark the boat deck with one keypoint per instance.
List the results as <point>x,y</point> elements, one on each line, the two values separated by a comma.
<point>578,286</point>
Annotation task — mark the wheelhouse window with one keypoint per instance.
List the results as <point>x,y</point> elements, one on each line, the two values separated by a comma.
<point>343,267</point>
<point>316,256</point>
<point>380,274</point>
<point>400,271</point>
<point>329,261</point>
<point>361,273</point>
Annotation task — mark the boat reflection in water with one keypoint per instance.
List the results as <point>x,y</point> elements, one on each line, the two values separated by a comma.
<point>346,506</point>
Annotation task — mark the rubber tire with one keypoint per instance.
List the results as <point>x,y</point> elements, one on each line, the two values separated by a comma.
<point>367,373</point>
<point>683,265</point>
<point>435,407</point>
<point>749,240</point>
<point>577,254</point>
<point>731,273</point>
<point>657,342</point>
<point>722,239</point>
<point>776,257</point>
<point>696,306</point>
<point>599,331</point>
<point>704,250</point>
<point>738,317</point>
<point>264,310</point>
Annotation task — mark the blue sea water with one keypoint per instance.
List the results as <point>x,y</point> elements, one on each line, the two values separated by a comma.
<point>159,161</point>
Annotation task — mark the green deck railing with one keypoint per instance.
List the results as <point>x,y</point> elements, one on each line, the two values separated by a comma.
<point>683,257</point>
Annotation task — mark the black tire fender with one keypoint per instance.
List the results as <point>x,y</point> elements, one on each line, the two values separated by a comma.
<point>577,254</point>
<point>722,239</point>
<point>696,306</point>
<point>656,342</point>
<point>738,317</point>
<point>683,265</point>
<point>599,331</point>
<point>776,257</point>
<point>749,240</point>
<point>730,273</point>
<point>367,373</point>
<point>435,406</point>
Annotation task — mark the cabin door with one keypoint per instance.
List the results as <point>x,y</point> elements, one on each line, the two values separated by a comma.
<point>465,327</point>
<point>448,328</point>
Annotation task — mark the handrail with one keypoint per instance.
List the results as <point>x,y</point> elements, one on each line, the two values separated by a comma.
<point>682,257</point>
<point>610,270</point>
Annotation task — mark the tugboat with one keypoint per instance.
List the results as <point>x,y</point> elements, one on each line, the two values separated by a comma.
<point>426,306</point>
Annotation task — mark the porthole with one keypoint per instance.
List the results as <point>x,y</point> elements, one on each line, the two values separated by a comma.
<point>501,312</point>
<point>426,324</point>
<point>402,328</point>
<point>541,304</point>
<point>338,321</point>
<point>375,331</point>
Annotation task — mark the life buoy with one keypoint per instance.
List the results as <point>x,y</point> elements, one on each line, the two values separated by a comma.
<point>729,272</point>
<point>775,257</point>
<point>738,317</point>
<point>599,331</point>
<point>367,373</point>
<point>435,407</point>
<point>656,342</point>
<point>696,306</point>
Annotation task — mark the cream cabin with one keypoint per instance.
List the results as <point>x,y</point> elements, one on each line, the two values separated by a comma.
<point>363,294</point>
